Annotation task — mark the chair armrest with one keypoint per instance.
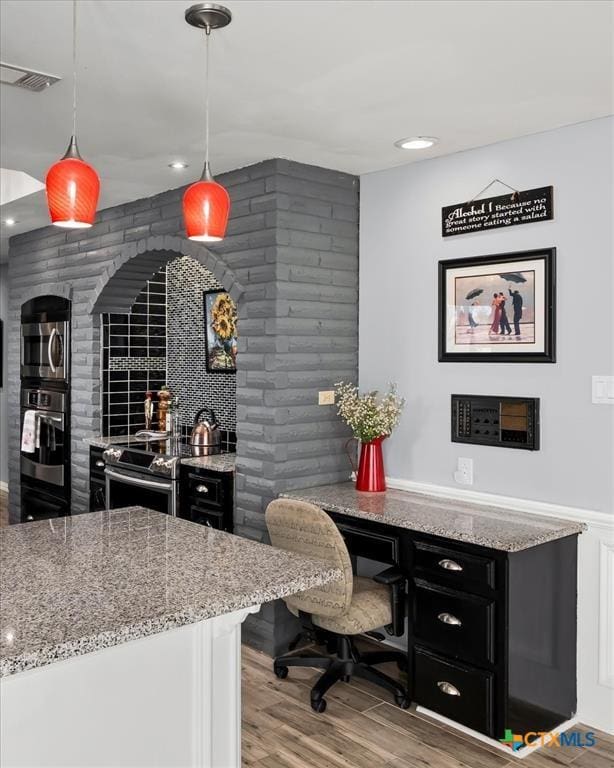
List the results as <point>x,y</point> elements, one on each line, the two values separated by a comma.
<point>389,577</point>
<point>394,579</point>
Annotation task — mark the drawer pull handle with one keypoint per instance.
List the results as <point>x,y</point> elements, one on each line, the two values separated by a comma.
<point>99,463</point>
<point>450,565</point>
<point>448,688</point>
<point>202,489</point>
<point>448,618</point>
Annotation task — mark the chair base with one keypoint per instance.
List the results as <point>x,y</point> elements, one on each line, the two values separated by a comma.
<point>347,663</point>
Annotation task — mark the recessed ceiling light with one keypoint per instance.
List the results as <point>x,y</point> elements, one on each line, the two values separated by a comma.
<point>10,222</point>
<point>178,165</point>
<point>416,142</point>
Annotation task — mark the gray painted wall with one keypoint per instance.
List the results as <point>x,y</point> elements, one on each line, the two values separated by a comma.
<point>400,245</point>
<point>290,259</point>
<point>4,432</point>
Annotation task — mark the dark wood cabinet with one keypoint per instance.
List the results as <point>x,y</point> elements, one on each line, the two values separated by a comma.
<point>207,497</point>
<point>97,485</point>
<point>491,636</point>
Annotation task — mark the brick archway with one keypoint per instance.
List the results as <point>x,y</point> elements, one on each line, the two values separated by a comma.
<point>122,280</point>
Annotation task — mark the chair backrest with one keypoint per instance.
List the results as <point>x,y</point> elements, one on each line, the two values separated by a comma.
<point>306,529</point>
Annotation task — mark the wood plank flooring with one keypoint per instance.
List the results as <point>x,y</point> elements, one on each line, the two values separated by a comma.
<point>361,729</point>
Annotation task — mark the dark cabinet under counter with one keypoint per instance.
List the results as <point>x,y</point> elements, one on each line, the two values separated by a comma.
<point>491,639</point>
<point>207,497</point>
<point>97,483</point>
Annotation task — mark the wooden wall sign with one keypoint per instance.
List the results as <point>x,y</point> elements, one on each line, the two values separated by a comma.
<point>522,207</point>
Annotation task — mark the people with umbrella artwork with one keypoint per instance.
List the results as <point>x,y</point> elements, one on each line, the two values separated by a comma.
<point>492,322</point>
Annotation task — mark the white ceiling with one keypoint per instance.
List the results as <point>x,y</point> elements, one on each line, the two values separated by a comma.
<point>319,81</point>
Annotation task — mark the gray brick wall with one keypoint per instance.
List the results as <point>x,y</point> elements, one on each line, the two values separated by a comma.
<point>290,260</point>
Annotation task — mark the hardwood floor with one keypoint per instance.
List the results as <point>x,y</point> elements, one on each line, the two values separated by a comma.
<point>361,729</point>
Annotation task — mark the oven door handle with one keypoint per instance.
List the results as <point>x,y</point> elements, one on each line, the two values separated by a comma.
<point>142,482</point>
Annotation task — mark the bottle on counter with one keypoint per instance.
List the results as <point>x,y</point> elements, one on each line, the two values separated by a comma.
<point>164,397</point>
<point>148,409</point>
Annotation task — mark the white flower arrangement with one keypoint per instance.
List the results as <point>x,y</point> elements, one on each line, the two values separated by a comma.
<point>365,415</point>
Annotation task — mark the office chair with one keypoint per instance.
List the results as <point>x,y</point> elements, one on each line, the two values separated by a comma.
<point>349,606</point>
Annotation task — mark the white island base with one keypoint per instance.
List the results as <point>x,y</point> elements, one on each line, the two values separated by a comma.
<point>171,699</point>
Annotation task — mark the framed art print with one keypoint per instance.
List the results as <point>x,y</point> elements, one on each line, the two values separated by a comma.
<point>220,332</point>
<point>498,308</point>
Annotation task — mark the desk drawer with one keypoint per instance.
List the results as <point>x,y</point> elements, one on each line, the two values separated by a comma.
<point>454,566</point>
<point>460,625</point>
<point>374,546</point>
<point>462,693</point>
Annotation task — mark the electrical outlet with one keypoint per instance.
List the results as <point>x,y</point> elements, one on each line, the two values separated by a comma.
<point>464,472</point>
<point>327,397</point>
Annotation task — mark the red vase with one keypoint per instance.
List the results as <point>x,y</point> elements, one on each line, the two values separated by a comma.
<point>371,477</point>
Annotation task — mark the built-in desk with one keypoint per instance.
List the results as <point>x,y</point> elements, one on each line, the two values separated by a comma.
<point>491,602</point>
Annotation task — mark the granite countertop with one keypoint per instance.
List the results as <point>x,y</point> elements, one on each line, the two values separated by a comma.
<point>78,584</point>
<point>220,462</point>
<point>494,527</point>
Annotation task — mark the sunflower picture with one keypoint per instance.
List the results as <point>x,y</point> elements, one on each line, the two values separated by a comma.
<point>220,332</point>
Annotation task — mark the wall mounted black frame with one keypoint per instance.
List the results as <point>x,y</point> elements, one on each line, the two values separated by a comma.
<point>548,255</point>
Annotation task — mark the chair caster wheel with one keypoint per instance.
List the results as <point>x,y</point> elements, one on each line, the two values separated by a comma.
<point>281,672</point>
<point>402,701</point>
<point>319,705</point>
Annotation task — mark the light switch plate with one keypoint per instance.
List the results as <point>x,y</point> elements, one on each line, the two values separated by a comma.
<point>326,397</point>
<point>603,389</point>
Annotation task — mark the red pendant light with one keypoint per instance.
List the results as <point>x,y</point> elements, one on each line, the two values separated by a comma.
<point>72,184</point>
<point>206,204</point>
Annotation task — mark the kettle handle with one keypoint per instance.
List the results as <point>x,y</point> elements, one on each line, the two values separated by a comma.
<point>205,410</point>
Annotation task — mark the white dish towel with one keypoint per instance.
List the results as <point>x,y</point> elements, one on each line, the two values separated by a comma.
<point>29,438</point>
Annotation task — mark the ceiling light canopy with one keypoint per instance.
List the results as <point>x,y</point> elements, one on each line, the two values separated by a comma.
<point>72,184</point>
<point>416,142</point>
<point>206,204</point>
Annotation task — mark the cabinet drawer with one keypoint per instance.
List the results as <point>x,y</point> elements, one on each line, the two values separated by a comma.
<point>453,565</point>
<point>97,495</point>
<point>96,463</point>
<point>462,693</point>
<point>374,546</point>
<point>205,491</point>
<point>210,519</point>
<point>460,625</point>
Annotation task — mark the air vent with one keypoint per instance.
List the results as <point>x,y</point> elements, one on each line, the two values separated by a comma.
<point>26,78</point>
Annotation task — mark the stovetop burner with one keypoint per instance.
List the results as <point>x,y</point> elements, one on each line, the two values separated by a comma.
<point>158,457</point>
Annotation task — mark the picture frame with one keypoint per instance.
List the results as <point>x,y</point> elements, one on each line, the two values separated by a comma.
<point>220,317</point>
<point>499,308</point>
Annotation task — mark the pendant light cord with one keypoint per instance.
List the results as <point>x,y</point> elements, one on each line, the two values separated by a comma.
<point>207,36</point>
<point>74,68</point>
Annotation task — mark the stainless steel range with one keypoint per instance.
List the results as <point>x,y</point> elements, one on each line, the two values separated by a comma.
<point>145,473</point>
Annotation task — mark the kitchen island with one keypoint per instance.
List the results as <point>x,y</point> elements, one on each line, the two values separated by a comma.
<point>120,638</point>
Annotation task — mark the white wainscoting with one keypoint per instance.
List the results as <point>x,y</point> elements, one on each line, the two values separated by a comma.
<point>595,592</point>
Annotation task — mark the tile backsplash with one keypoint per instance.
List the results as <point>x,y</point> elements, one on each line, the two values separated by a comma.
<point>162,341</point>
<point>187,280</point>
<point>134,358</point>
